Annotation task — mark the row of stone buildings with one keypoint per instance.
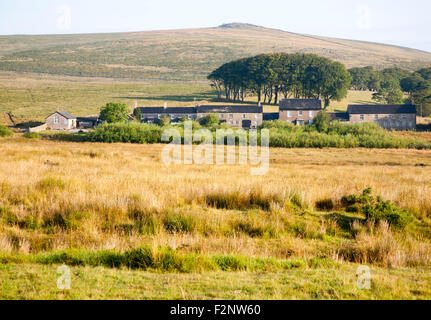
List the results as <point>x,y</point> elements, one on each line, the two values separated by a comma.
<point>295,111</point>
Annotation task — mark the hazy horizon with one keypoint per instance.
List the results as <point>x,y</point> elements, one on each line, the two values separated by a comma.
<point>388,22</point>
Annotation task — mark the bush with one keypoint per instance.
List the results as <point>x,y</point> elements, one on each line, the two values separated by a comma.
<point>126,132</point>
<point>32,135</point>
<point>376,209</point>
<point>386,211</point>
<point>5,132</point>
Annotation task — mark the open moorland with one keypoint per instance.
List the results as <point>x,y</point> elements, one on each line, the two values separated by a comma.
<point>132,227</point>
<point>185,54</point>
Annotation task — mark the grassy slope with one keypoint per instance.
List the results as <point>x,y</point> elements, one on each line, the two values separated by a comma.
<point>184,54</point>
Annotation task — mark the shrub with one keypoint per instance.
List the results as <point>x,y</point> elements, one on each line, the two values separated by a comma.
<point>32,135</point>
<point>5,132</point>
<point>126,132</point>
<point>386,211</point>
<point>376,209</point>
<point>165,121</point>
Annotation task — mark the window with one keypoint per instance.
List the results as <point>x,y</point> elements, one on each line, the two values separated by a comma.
<point>256,116</point>
<point>231,116</point>
<point>65,122</point>
<point>159,116</point>
<point>404,117</point>
<point>310,122</point>
<point>56,120</point>
<point>300,113</point>
<point>376,117</point>
<point>289,114</point>
<point>256,122</point>
<point>222,116</point>
<point>311,114</point>
<point>237,122</point>
<point>243,116</point>
<point>362,117</point>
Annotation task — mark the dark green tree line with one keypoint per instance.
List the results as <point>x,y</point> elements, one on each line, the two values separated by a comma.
<point>272,76</point>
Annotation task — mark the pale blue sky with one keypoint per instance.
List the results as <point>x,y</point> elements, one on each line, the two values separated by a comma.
<point>399,22</point>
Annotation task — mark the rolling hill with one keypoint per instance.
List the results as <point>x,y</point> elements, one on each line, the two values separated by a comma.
<point>184,54</point>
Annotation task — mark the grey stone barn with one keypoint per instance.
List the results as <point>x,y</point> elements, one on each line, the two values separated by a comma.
<point>391,117</point>
<point>61,120</point>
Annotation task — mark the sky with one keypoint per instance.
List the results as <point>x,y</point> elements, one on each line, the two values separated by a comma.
<point>398,22</point>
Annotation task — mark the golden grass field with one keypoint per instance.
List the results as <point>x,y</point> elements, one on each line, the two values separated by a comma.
<point>56,196</point>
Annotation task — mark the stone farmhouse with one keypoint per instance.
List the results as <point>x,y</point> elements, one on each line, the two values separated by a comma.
<point>64,121</point>
<point>389,117</point>
<point>243,116</point>
<point>61,120</point>
<point>299,111</point>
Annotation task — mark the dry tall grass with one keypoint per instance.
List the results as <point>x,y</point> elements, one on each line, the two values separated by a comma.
<point>97,196</point>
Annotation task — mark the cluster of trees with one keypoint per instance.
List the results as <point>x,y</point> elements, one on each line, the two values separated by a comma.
<point>292,75</point>
<point>392,84</point>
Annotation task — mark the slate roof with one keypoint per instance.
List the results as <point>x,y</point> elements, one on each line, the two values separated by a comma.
<point>300,104</point>
<point>64,114</point>
<point>170,110</point>
<point>230,109</point>
<point>382,109</point>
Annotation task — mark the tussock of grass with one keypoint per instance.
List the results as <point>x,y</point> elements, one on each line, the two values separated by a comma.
<point>381,246</point>
<point>238,200</point>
